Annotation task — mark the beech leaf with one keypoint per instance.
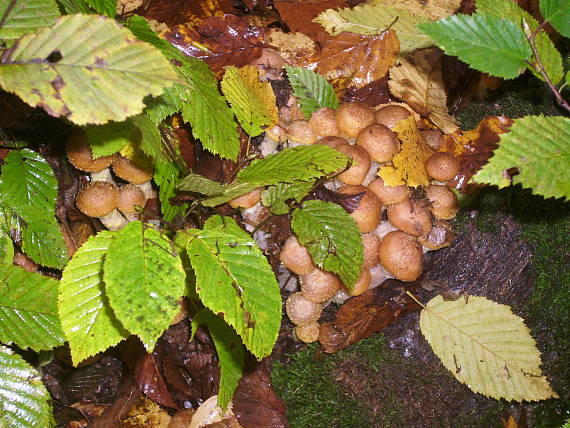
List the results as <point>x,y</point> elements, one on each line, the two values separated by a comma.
<point>19,17</point>
<point>312,90</point>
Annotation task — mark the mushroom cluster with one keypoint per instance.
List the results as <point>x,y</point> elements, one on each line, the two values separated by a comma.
<point>112,203</point>
<point>416,220</point>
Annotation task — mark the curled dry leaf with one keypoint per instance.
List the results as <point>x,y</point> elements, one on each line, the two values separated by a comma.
<point>174,12</point>
<point>219,41</point>
<point>355,60</point>
<point>418,81</point>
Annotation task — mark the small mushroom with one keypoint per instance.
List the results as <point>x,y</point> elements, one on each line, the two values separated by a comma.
<point>131,198</point>
<point>433,138</point>
<point>80,155</point>
<point>389,195</point>
<point>131,172</point>
<point>442,166</point>
<point>100,199</point>
<point>296,257</point>
<point>353,117</point>
<point>323,122</point>
<point>362,283</point>
<point>307,333</point>
<point>440,236</point>
<point>413,217</point>
<point>319,285</point>
<point>401,255</point>
<point>367,214</point>
<point>379,141</point>
<point>361,162</point>
<point>443,202</point>
<point>300,132</point>
<point>370,242</point>
<point>334,142</point>
<point>248,200</point>
<point>302,311</point>
<point>390,115</point>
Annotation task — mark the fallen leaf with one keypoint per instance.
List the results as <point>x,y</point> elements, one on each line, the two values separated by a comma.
<point>418,81</point>
<point>219,41</point>
<point>409,164</point>
<point>174,12</point>
<point>435,9</point>
<point>373,94</point>
<point>354,60</point>
<point>296,48</point>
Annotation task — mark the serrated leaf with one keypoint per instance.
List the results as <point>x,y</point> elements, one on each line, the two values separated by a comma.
<point>110,138</point>
<point>43,242</point>
<point>234,279</point>
<point>169,103</point>
<point>252,101</point>
<point>435,9</point>
<point>231,191</point>
<point>293,164</point>
<point>199,184</point>
<point>312,90</point>
<point>539,148</point>
<point>409,164</point>
<point>485,346</point>
<point>144,292</point>
<point>75,6</point>
<point>230,353</point>
<point>370,19</point>
<point>557,13</point>
<point>277,196</point>
<point>24,400</point>
<point>549,55</point>
<point>28,309</point>
<point>85,68</point>
<point>487,43</point>
<point>167,177</point>
<point>86,315</point>
<point>6,248</point>
<point>20,17</point>
<point>150,139</point>
<point>332,238</point>
<point>104,7</point>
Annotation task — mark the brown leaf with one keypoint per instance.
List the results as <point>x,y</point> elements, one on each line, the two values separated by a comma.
<point>356,60</point>
<point>174,12</point>
<point>373,94</point>
<point>219,41</point>
<point>296,48</point>
<point>363,315</point>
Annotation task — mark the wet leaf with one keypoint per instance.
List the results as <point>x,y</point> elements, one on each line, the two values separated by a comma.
<point>173,12</point>
<point>435,9</point>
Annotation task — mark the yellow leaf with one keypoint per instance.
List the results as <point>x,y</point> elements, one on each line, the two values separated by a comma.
<point>435,9</point>
<point>252,101</point>
<point>409,164</point>
<point>485,346</point>
<point>418,81</point>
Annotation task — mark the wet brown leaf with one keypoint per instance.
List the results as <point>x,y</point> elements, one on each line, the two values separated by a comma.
<point>373,94</point>
<point>174,12</point>
<point>363,315</point>
<point>219,41</point>
<point>297,49</point>
<point>355,60</point>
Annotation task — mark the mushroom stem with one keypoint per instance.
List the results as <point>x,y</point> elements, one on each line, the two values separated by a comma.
<point>114,220</point>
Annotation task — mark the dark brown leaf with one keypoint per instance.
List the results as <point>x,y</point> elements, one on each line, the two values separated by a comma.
<point>173,12</point>
<point>373,94</point>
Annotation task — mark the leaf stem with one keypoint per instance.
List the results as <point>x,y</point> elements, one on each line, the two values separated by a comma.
<point>415,299</point>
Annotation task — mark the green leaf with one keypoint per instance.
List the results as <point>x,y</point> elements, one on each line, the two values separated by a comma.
<point>104,7</point>
<point>102,73</point>
<point>199,184</point>
<point>374,19</point>
<point>487,43</point>
<point>110,138</point>
<point>75,6</point>
<point>293,164</point>
<point>169,103</point>
<point>231,191</point>
<point>24,400</point>
<point>234,279</point>
<point>166,177</point>
<point>6,248</point>
<point>144,292</point>
<point>150,138</point>
<point>277,196</point>
<point>557,13</point>
<point>549,55</point>
<point>86,316</point>
<point>539,148</point>
<point>312,90</point>
<point>43,242</point>
<point>230,353</point>
<point>252,101</point>
<point>485,346</point>
<point>28,309</point>
<point>332,238</point>
<point>20,17</point>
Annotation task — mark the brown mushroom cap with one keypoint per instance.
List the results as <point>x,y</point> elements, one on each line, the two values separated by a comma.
<point>391,114</point>
<point>401,255</point>
<point>410,216</point>
<point>433,138</point>
<point>442,166</point>
<point>443,202</point>
<point>362,283</point>
<point>379,141</point>
<point>334,142</point>
<point>299,132</point>
<point>367,214</point>
<point>296,257</point>
<point>130,172</point>
<point>370,242</point>
<point>361,162</point>
<point>319,285</point>
<point>389,195</point>
<point>353,117</point>
<point>307,333</point>
<point>302,311</point>
<point>130,196</point>
<point>323,122</point>
<point>80,155</point>
<point>248,200</point>
<point>440,236</point>
<point>97,199</point>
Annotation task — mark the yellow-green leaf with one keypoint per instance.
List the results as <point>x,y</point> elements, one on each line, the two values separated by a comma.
<point>487,347</point>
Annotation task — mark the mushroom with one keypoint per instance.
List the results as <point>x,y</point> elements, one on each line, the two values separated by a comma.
<point>361,162</point>
<point>389,195</point>
<point>413,217</point>
<point>131,198</point>
<point>401,255</point>
<point>440,236</point>
<point>323,122</point>
<point>442,166</point>
<point>319,285</point>
<point>307,333</point>
<point>334,142</point>
<point>302,311</point>
<point>367,214</point>
<point>362,283</point>
<point>443,202</point>
<point>370,242</point>
<point>80,155</point>
<point>379,141</point>
<point>353,117</point>
<point>433,138</point>
<point>390,115</point>
<point>131,172</point>
<point>248,200</point>
<point>296,257</point>
<point>100,199</point>
<point>300,132</point>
